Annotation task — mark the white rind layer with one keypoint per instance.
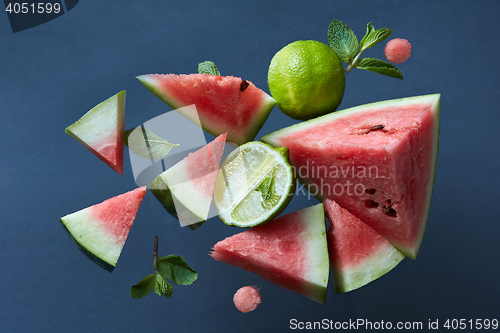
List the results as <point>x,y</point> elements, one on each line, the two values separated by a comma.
<point>318,268</point>
<point>186,195</point>
<point>87,230</point>
<point>378,264</point>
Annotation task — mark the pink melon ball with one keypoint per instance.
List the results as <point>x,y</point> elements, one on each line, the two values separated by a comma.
<point>246,299</point>
<point>397,50</point>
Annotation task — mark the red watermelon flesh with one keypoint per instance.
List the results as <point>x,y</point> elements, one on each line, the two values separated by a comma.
<point>100,231</point>
<point>290,251</point>
<point>358,254</point>
<point>100,130</point>
<point>203,162</point>
<point>376,160</point>
<point>223,103</point>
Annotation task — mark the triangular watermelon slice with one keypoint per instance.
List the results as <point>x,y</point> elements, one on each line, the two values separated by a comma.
<point>376,160</point>
<point>224,104</point>
<point>358,254</point>
<point>290,251</point>
<point>185,190</point>
<point>100,231</point>
<point>100,130</point>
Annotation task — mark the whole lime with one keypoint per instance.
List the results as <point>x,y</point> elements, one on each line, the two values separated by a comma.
<point>307,79</point>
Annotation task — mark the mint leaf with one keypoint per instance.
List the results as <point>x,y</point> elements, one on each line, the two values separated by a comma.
<point>145,143</point>
<point>176,269</point>
<point>208,67</point>
<point>372,36</point>
<point>379,66</point>
<point>343,41</point>
<point>369,30</point>
<point>162,287</point>
<point>144,287</point>
<point>267,187</point>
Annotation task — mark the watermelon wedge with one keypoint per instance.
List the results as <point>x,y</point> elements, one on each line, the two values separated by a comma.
<point>185,190</point>
<point>224,104</point>
<point>100,231</point>
<point>358,254</point>
<point>100,130</point>
<point>290,251</point>
<point>376,160</point>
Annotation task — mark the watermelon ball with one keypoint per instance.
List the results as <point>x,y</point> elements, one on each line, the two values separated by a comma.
<point>246,299</point>
<point>397,50</point>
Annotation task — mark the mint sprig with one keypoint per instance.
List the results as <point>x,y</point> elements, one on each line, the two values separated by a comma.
<point>172,267</point>
<point>208,67</point>
<point>345,43</point>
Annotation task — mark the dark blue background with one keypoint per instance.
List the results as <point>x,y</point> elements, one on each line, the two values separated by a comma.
<point>52,74</point>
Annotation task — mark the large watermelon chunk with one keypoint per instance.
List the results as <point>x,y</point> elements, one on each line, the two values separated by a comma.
<point>100,130</point>
<point>376,160</point>
<point>100,231</point>
<point>185,190</point>
<point>290,251</point>
<point>358,254</point>
<point>224,104</point>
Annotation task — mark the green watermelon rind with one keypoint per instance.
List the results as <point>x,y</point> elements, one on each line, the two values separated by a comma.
<point>371,269</point>
<point>162,192</point>
<point>259,118</point>
<point>432,99</point>
<point>109,266</point>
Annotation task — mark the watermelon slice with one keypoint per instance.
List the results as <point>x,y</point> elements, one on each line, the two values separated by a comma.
<point>185,190</point>
<point>101,129</point>
<point>100,231</point>
<point>377,160</point>
<point>223,103</point>
<point>358,254</point>
<point>290,251</point>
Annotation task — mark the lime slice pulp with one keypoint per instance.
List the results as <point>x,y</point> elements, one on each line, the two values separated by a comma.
<point>254,185</point>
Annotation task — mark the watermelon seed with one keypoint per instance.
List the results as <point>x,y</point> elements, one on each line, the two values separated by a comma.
<point>370,190</point>
<point>371,204</point>
<point>375,128</point>
<point>389,211</point>
<point>244,84</point>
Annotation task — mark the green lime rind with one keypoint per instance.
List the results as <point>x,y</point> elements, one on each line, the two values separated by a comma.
<point>270,184</point>
<point>307,79</point>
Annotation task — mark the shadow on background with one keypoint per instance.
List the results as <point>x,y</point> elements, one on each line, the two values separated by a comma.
<point>28,14</point>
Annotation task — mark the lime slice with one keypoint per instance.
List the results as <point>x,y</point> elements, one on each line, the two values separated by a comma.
<point>254,185</point>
